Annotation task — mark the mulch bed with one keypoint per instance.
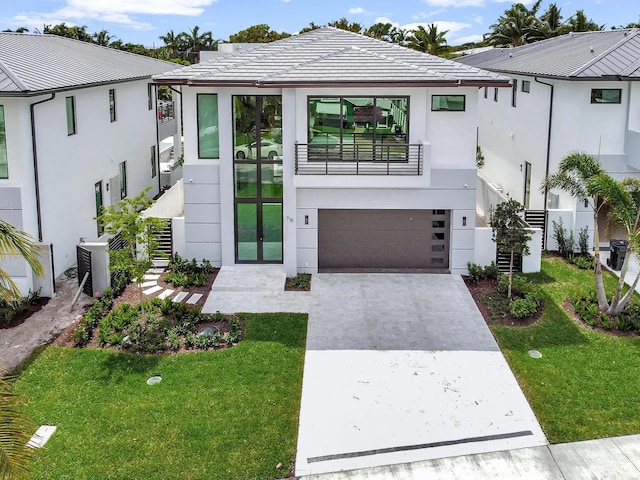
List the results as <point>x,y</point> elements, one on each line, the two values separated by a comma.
<point>20,318</point>
<point>490,286</point>
<point>289,286</point>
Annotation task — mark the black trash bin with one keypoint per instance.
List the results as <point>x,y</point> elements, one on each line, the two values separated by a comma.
<point>618,252</point>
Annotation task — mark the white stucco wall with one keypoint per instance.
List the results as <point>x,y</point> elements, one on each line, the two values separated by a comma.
<point>449,181</point>
<point>70,165</point>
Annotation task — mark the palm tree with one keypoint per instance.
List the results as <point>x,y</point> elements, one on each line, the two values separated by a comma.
<point>551,22</point>
<point>574,175</point>
<point>344,24</point>
<point>428,41</point>
<point>102,38</point>
<point>579,23</point>
<point>386,32</point>
<point>517,26</point>
<point>15,426</point>
<point>624,199</point>
<point>170,40</point>
<point>14,242</point>
<point>193,42</point>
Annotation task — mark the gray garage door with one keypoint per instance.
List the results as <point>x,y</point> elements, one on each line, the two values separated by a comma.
<point>383,239</point>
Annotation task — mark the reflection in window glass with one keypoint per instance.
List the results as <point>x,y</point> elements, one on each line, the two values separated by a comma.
<point>112,105</point>
<point>450,103</point>
<point>4,169</point>
<point>606,95</point>
<point>246,180</point>
<point>208,143</point>
<point>244,132</point>
<point>71,115</point>
<point>247,231</point>
<point>271,176</point>
<point>355,120</point>
<point>270,128</point>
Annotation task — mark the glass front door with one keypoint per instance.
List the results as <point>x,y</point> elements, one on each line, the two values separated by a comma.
<point>258,178</point>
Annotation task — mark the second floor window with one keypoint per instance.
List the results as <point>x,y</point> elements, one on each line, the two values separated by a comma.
<point>4,170</point>
<point>606,95</point>
<point>358,120</point>
<point>448,103</point>
<point>112,105</point>
<point>208,141</point>
<point>70,103</point>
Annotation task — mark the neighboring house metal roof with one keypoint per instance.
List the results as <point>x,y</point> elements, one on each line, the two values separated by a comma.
<point>40,63</point>
<point>606,55</point>
<point>329,56</point>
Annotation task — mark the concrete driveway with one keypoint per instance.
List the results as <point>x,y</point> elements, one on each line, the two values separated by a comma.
<point>398,368</point>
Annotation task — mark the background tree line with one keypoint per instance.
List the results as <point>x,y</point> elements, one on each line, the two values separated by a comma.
<point>518,25</point>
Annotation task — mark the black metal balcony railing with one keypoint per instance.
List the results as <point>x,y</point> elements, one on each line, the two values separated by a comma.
<point>359,159</point>
<point>165,111</point>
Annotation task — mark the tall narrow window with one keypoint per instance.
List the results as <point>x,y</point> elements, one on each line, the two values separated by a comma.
<point>112,105</point>
<point>208,142</point>
<point>149,96</point>
<point>486,91</point>
<point>4,170</point>
<point>514,92</point>
<point>526,86</point>
<point>98,193</point>
<point>495,94</point>
<point>123,179</point>
<point>71,115</point>
<point>154,170</point>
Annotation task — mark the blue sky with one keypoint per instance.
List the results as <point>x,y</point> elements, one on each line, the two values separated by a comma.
<point>142,21</point>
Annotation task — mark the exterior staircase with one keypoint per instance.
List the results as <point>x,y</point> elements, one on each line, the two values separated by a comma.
<point>537,219</point>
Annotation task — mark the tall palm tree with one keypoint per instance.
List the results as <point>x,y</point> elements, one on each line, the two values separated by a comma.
<point>551,22</point>
<point>102,38</point>
<point>517,26</point>
<point>14,242</point>
<point>574,175</point>
<point>580,23</point>
<point>171,41</point>
<point>192,42</point>
<point>15,428</point>
<point>344,24</point>
<point>428,40</point>
<point>386,32</point>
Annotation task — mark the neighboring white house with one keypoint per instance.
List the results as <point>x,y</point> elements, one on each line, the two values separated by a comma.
<point>330,150</point>
<point>577,92</point>
<point>78,129</point>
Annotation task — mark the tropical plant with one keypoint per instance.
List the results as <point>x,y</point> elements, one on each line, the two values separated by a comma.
<point>551,22</point>
<point>574,176</point>
<point>312,26</point>
<point>387,32</point>
<point>171,44</point>
<point>428,40</point>
<point>74,32</point>
<point>510,233</point>
<point>344,24</point>
<point>15,428</point>
<point>15,242</point>
<point>579,22</point>
<point>517,26</point>
<point>139,235</point>
<point>102,38</point>
<point>192,42</point>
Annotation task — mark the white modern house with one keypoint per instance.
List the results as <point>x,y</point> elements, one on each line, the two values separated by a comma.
<point>78,130</point>
<point>331,151</point>
<point>577,92</point>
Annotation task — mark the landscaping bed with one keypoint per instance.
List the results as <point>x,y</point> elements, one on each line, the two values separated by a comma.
<point>585,384</point>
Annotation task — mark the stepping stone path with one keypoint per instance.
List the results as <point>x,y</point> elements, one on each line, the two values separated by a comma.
<point>151,284</point>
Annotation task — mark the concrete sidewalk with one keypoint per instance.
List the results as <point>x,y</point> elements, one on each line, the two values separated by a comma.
<point>607,458</point>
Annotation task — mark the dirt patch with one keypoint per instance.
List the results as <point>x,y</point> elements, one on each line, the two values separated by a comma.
<point>20,318</point>
<point>490,287</point>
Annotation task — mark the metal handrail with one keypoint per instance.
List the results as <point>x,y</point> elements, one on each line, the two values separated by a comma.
<point>358,159</point>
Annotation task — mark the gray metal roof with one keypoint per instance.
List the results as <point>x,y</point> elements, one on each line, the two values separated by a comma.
<point>38,63</point>
<point>586,55</point>
<point>329,56</point>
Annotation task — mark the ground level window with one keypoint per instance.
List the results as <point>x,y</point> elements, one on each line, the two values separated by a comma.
<point>606,95</point>
<point>448,103</point>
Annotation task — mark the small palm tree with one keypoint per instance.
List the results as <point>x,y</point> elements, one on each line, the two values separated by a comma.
<point>14,242</point>
<point>575,174</point>
<point>428,40</point>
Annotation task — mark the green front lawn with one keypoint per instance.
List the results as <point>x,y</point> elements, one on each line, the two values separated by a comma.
<point>226,414</point>
<point>586,383</point>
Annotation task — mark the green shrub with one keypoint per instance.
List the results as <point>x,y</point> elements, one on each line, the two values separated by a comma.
<point>583,263</point>
<point>301,281</point>
<point>8,311</point>
<point>565,241</point>
<point>523,307</point>
<point>586,307</point>
<point>583,242</point>
<point>80,336</point>
<point>605,321</point>
<point>480,272</point>
<point>520,286</point>
<point>184,273</point>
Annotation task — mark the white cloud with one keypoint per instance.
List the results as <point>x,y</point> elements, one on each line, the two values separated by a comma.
<point>452,27</point>
<point>110,11</point>
<point>477,19</point>
<point>357,11</point>
<point>386,20</point>
<point>467,39</point>
<point>457,3</point>
<point>425,15</point>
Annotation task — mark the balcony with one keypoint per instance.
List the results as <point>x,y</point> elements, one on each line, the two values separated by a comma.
<point>359,159</point>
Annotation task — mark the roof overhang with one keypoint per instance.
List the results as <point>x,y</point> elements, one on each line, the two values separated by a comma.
<point>334,84</point>
<point>35,93</point>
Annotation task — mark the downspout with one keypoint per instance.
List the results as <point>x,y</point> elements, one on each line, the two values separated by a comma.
<point>546,172</point>
<point>34,146</point>
<point>157,159</point>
